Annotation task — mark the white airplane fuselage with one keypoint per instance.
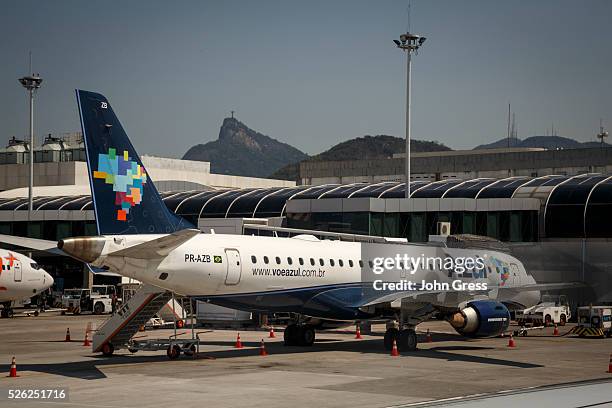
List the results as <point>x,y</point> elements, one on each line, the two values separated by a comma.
<point>21,277</point>
<point>303,274</point>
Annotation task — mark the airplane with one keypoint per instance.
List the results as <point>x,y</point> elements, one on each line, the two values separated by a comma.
<point>321,283</point>
<point>20,278</point>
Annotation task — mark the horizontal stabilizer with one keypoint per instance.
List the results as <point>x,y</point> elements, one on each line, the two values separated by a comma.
<point>101,271</point>
<point>32,243</point>
<point>157,248</point>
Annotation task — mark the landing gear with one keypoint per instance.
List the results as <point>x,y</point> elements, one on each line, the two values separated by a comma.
<point>299,335</point>
<point>406,339</point>
<point>390,335</point>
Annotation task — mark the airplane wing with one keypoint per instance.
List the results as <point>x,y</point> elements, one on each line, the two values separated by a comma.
<point>544,286</point>
<point>157,248</point>
<point>32,243</point>
<point>516,289</point>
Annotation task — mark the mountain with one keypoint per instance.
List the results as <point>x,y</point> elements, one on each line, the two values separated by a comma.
<point>546,142</point>
<point>242,151</point>
<point>367,147</point>
<point>372,147</point>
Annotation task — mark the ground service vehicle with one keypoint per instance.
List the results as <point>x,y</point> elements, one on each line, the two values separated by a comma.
<point>594,321</point>
<point>551,310</point>
<point>98,300</point>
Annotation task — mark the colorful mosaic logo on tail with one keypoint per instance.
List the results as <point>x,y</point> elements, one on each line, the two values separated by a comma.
<point>502,269</point>
<point>127,177</point>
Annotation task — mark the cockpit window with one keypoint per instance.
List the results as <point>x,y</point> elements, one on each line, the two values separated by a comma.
<point>34,265</point>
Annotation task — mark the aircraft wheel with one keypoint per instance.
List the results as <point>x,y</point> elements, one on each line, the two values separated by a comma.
<point>173,352</point>
<point>306,335</point>
<point>4,313</point>
<point>36,313</point>
<point>98,308</point>
<point>407,340</point>
<point>10,313</point>
<point>390,335</point>
<point>108,349</point>
<point>290,335</point>
<point>562,320</point>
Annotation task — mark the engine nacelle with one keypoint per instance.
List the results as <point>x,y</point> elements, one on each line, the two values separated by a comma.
<point>481,318</point>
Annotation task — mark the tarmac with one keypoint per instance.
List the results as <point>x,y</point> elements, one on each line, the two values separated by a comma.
<point>338,371</point>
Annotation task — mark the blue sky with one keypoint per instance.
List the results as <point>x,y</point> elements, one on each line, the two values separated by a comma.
<point>312,73</point>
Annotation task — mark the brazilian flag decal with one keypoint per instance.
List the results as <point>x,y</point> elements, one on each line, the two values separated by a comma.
<point>217,259</point>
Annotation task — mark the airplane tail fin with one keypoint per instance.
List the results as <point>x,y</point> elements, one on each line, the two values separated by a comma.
<point>125,199</point>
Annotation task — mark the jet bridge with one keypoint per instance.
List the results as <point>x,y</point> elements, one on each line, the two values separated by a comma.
<point>115,333</point>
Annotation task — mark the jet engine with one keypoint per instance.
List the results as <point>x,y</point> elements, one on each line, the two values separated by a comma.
<point>481,318</point>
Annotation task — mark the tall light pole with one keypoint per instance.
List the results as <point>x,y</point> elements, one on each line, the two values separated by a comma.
<point>31,83</point>
<point>602,133</point>
<point>409,43</point>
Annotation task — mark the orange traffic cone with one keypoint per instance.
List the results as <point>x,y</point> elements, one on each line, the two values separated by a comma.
<point>511,341</point>
<point>271,335</point>
<point>262,349</point>
<point>428,337</point>
<point>394,351</point>
<point>358,333</point>
<point>13,370</point>
<point>609,364</point>
<point>67,334</point>
<point>86,342</point>
<point>556,331</point>
<point>238,342</point>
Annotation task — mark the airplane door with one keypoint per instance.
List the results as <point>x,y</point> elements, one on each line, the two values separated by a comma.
<point>234,267</point>
<point>17,271</point>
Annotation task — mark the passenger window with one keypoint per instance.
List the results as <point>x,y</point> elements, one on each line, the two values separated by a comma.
<point>371,264</point>
<point>289,261</point>
<point>301,261</point>
<point>321,262</point>
<point>266,260</point>
<point>360,263</point>
<point>312,262</point>
<point>253,259</point>
<point>340,262</point>
<point>331,262</point>
<point>351,263</point>
<point>278,260</point>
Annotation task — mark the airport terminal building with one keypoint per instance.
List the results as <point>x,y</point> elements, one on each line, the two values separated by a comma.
<point>558,224</point>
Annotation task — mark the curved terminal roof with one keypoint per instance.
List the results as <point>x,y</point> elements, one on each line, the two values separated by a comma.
<point>572,205</point>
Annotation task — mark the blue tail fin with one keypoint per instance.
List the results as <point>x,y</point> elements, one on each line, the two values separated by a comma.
<point>125,199</point>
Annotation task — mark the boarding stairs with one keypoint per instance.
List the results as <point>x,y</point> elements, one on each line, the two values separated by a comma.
<point>145,303</point>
